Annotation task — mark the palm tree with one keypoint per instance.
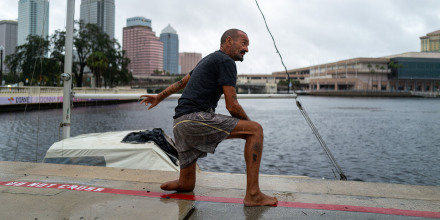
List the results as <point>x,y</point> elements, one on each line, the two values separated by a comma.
<point>396,66</point>
<point>370,80</point>
<point>98,63</point>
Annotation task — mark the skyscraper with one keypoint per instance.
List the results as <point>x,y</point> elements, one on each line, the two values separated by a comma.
<point>33,19</point>
<point>101,13</point>
<point>188,61</point>
<point>143,48</point>
<point>8,38</point>
<point>170,41</point>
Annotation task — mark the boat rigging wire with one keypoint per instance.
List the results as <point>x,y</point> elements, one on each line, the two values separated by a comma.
<point>321,141</point>
<point>276,48</point>
<point>327,151</point>
<point>34,69</point>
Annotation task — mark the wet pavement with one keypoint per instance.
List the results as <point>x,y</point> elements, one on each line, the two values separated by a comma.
<point>51,191</point>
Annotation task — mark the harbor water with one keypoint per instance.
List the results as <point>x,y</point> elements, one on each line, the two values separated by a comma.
<point>390,140</point>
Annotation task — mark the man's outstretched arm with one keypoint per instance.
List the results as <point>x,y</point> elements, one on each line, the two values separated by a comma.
<point>156,99</point>
<point>232,104</point>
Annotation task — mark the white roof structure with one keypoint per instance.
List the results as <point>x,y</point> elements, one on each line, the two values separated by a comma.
<point>99,149</point>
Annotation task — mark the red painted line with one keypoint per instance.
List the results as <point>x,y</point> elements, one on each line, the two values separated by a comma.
<point>330,207</point>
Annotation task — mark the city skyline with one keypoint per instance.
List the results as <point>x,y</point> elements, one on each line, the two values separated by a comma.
<point>101,13</point>
<point>306,33</point>
<point>33,19</point>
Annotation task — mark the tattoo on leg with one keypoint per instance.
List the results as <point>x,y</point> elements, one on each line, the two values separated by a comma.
<point>254,157</point>
<point>257,147</point>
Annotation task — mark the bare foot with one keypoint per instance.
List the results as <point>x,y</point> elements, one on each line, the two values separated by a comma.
<point>259,199</point>
<point>175,186</point>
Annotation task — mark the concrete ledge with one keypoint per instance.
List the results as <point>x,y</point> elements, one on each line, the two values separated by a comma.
<point>55,203</point>
<point>361,94</point>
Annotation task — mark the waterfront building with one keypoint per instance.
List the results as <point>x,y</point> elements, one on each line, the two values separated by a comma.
<point>33,19</point>
<point>101,13</point>
<point>170,41</point>
<point>8,39</point>
<point>406,72</point>
<point>412,71</point>
<point>188,61</point>
<point>143,48</point>
<point>430,42</point>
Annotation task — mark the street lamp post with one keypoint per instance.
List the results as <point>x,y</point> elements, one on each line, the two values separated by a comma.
<point>1,65</point>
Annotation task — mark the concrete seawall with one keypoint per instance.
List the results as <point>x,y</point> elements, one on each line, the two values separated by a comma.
<point>374,94</point>
<point>53,191</point>
<point>36,98</point>
<point>360,94</point>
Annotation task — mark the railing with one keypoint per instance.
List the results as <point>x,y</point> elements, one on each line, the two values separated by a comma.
<point>114,93</point>
<point>426,94</point>
<point>58,91</point>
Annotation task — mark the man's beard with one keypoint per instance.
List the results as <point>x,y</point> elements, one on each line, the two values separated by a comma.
<point>239,57</point>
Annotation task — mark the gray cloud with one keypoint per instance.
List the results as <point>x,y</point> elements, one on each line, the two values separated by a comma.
<point>307,32</point>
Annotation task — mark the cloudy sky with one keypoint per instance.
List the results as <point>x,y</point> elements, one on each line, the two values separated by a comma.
<point>307,32</point>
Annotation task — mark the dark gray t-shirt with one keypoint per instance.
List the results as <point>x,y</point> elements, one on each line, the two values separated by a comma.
<point>204,87</point>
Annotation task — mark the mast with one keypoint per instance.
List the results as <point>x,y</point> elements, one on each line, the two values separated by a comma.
<point>67,75</point>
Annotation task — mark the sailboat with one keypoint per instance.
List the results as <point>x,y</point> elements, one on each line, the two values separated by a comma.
<point>103,149</point>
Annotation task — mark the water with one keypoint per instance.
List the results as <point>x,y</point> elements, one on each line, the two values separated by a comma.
<point>391,140</point>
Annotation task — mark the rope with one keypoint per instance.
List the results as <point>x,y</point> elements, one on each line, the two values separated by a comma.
<point>330,156</point>
<point>276,48</point>
<point>321,141</point>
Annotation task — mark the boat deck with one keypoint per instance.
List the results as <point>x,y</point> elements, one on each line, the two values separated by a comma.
<point>52,191</point>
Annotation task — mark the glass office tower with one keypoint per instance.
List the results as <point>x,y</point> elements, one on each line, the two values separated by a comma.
<point>170,41</point>
<point>33,19</point>
<point>101,13</point>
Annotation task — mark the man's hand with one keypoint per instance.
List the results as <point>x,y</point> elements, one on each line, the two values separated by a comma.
<point>150,99</point>
<point>155,99</point>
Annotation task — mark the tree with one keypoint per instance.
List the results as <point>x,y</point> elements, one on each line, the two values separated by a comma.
<point>29,59</point>
<point>157,72</point>
<point>42,60</point>
<point>98,63</point>
<point>83,46</point>
<point>395,67</point>
<point>58,42</point>
<point>51,75</point>
<point>370,78</point>
<point>119,73</point>
<point>285,83</point>
<point>91,39</point>
<point>57,48</point>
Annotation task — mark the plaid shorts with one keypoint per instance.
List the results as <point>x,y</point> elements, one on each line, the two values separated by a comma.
<point>199,133</point>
